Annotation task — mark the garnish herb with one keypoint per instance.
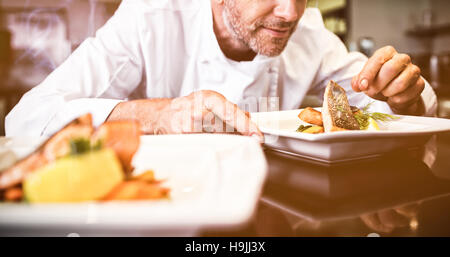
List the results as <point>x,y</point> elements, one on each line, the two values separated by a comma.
<point>83,145</point>
<point>302,128</point>
<point>363,116</point>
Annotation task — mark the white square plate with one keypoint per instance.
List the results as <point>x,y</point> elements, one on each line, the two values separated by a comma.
<point>215,181</point>
<point>406,132</point>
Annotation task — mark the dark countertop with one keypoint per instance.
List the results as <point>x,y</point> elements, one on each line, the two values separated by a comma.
<point>405,193</point>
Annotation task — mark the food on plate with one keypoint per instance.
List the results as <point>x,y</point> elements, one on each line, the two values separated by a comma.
<point>311,116</point>
<point>310,129</point>
<point>372,125</point>
<point>143,186</point>
<point>338,115</point>
<point>336,112</point>
<point>13,194</point>
<point>55,147</point>
<point>81,163</point>
<point>368,120</point>
<point>148,176</point>
<point>122,137</point>
<point>75,178</point>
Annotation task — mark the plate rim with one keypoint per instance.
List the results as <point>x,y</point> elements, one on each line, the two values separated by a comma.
<point>345,135</point>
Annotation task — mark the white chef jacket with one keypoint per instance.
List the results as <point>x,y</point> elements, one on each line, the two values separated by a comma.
<point>167,48</point>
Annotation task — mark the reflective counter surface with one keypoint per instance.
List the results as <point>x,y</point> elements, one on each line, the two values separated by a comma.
<point>405,193</point>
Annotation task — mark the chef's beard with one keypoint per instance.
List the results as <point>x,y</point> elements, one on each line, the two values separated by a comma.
<point>252,35</point>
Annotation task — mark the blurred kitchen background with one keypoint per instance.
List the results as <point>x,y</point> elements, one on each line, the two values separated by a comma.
<point>38,35</point>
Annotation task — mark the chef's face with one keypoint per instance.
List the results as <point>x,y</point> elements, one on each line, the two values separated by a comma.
<point>264,26</point>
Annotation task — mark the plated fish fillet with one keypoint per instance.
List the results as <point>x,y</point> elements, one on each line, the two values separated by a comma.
<point>336,112</point>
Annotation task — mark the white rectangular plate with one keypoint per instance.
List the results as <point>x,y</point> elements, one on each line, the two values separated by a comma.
<point>215,181</point>
<point>280,133</point>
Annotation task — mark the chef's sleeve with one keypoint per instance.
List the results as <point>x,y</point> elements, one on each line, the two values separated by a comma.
<point>98,75</point>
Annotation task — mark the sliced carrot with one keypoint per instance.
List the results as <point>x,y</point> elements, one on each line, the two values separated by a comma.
<point>14,194</point>
<point>148,176</point>
<point>137,190</point>
<point>311,116</point>
<point>121,136</point>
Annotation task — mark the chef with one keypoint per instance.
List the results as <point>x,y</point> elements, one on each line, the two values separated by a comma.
<point>173,64</point>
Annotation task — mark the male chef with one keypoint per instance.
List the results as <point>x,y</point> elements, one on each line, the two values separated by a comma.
<point>172,63</point>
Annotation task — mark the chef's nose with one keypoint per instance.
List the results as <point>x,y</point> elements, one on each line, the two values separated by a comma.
<point>287,10</point>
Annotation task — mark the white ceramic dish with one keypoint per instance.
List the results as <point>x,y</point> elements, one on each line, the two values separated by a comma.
<point>215,181</point>
<point>406,132</point>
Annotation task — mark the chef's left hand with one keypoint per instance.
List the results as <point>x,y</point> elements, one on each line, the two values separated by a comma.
<point>392,77</point>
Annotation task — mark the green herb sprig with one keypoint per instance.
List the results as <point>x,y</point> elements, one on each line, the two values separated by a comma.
<point>302,128</point>
<point>83,145</point>
<point>363,116</point>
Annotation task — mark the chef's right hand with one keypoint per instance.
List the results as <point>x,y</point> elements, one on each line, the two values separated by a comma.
<point>202,111</point>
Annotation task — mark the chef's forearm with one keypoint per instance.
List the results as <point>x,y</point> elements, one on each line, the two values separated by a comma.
<point>149,112</point>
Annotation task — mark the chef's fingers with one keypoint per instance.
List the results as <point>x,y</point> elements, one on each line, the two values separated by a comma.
<point>388,72</point>
<point>198,116</point>
<point>213,124</point>
<point>405,99</point>
<point>401,83</point>
<point>355,85</point>
<point>231,114</point>
<point>373,222</point>
<point>179,117</point>
<point>367,76</point>
<point>379,97</point>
